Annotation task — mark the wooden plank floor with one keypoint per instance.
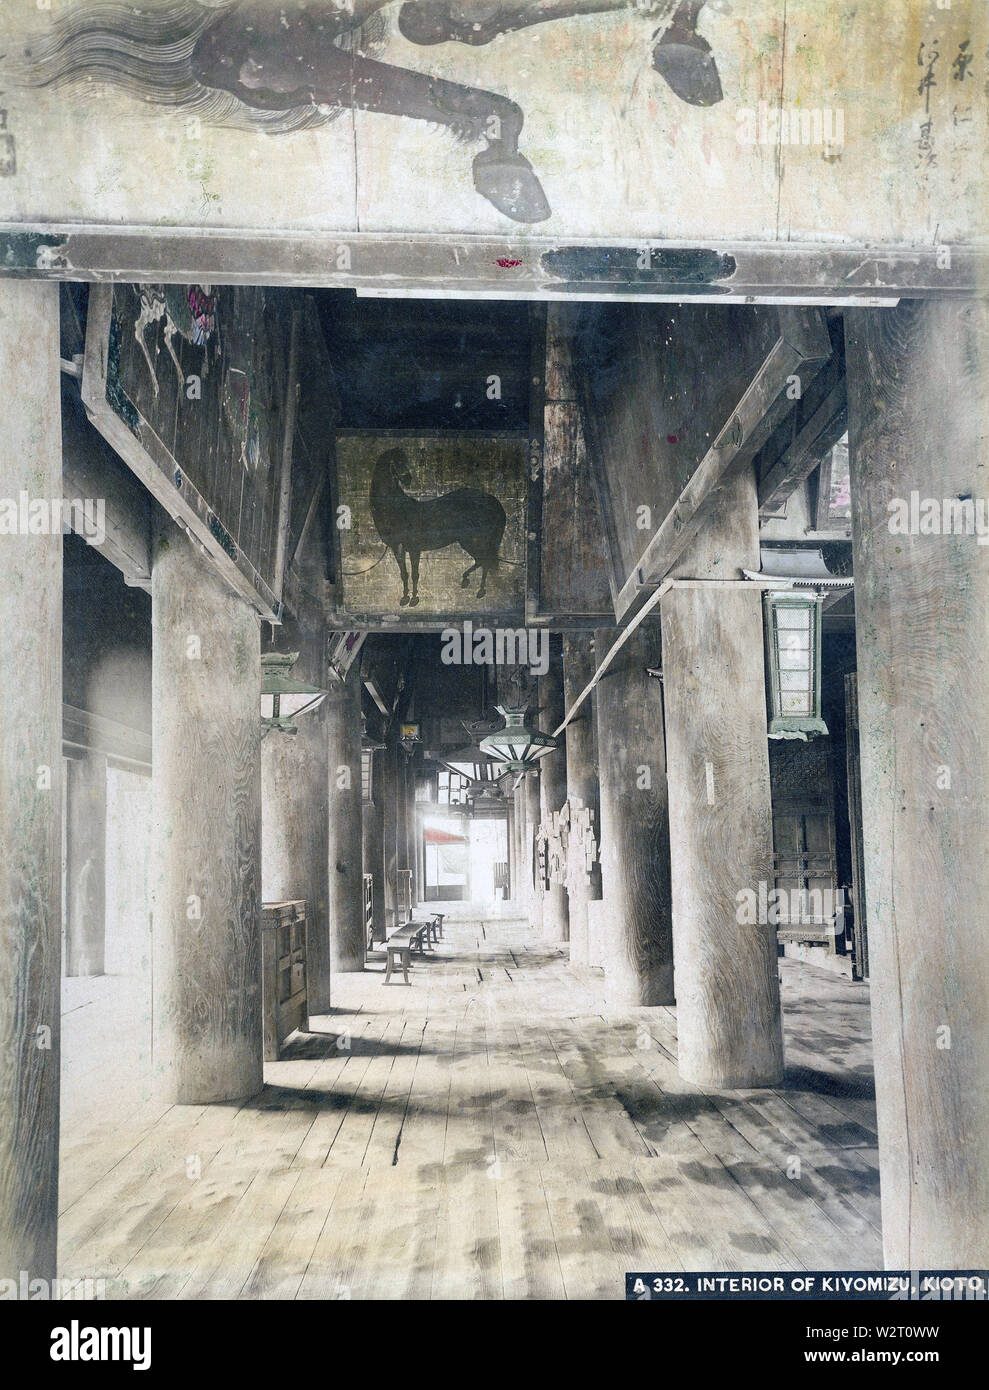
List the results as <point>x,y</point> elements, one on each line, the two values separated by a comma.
<point>488,1132</point>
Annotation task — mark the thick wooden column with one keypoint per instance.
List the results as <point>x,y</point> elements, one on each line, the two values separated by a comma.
<point>373,844</point>
<point>345,841</point>
<point>582,787</point>
<point>85,865</point>
<point>294,819</point>
<point>636,933</point>
<point>553,791</point>
<point>389,829</point>
<point>30,786</point>
<point>918,424</point>
<point>518,869</point>
<point>533,898</point>
<point>411,856</point>
<point>206,874</point>
<point>721,838</point>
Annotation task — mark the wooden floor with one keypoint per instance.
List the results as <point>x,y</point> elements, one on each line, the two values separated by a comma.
<point>487,1132</point>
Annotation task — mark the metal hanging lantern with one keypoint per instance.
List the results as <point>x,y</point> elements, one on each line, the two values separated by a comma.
<point>517,747</point>
<point>283,696</point>
<point>793,658</point>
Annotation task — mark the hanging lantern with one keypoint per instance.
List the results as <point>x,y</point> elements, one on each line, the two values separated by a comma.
<point>793,656</point>
<point>517,747</point>
<point>409,736</point>
<point>283,696</point>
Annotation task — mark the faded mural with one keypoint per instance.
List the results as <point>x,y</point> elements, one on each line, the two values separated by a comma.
<point>431,524</point>
<point>608,117</point>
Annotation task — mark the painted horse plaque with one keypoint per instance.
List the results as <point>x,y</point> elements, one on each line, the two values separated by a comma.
<point>432,526</point>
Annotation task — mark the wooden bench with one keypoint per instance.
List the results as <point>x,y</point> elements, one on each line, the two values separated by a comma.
<point>414,936</point>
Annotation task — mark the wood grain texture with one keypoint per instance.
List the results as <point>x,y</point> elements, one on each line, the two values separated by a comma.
<point>635,936</point>
<point>85,865</point>
<point>485,1132</point>
<point>533,891</point>
<point>720,813</point>
<point>206,830</point>
<point>917,422</point>
<point>553,790</point>
<point>345,851</point>
<point>295,861</point>
<point>372,844</point>
<point>573,552</point>
<point>582,787</point>
<point>30,809</point>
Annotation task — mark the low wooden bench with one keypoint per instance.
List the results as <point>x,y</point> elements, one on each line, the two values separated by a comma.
<point>400,945</point>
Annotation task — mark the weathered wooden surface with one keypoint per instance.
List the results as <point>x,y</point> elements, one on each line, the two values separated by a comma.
<point>816,272</point>
<point>296,822</point>
<point>917,422</point>
<point>206,865</point>
<point>572,549</point>
<point>85,865</point>
<point>189,384</point>
<point>657,384</point>
<point>485,1133</point>
<point>720,813</point>
<point>533,891</point>
<point>90,468</point>
<point>582,790</point>
<point>373,844</point>
<point>389,830</point>
<point>635,937</point>
<point>553,792</point>
<point>617,152</point>
<point>707,390</point>
<point>346,894</point>
<point>30,788</point>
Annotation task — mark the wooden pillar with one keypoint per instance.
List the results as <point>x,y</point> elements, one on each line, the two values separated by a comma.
<point>206,876</point>
<point>727,983</point>
<point>294,819</point>
<point>402,809</point>
<point>373,844</point>
<point>411,856</point>
<point>345,841</point>
<point>918,427</point>
<point>85,865</point>
<point>553,791</point>
<point>518,848</point>
<point>389,825</point>
<point>636,936</point>
<point>533,889</point>
<point>30,786</point>
<point>582,787</point>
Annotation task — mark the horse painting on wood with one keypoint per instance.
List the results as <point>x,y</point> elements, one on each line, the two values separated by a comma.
<point>283,67</point>
<point>464,516</point>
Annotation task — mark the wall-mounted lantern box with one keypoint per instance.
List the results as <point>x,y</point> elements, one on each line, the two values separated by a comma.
<point>793,664</point>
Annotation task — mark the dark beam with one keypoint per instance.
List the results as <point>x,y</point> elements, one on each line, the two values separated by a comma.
<point>822,431</point>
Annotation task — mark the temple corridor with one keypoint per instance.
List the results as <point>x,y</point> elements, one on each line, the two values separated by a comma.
<point>492,1131</point>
